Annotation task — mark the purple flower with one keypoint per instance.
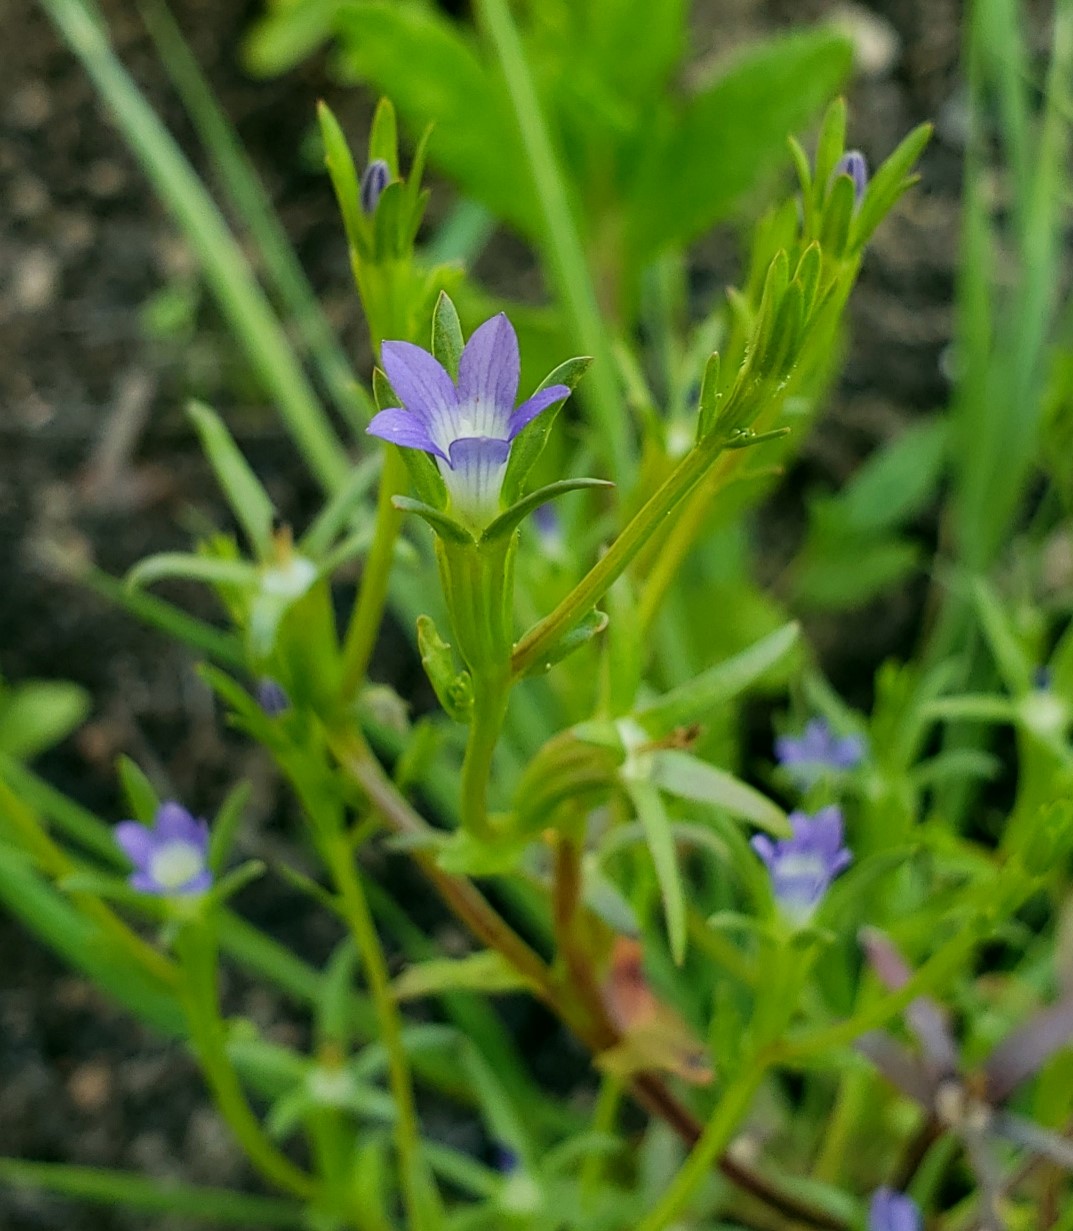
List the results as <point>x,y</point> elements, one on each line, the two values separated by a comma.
<point>891,1211</point>
<point>272,698</point>
<point>374,179</point>
<point>816,749</point>
<point>171,858</point>
<point>854,164</point>
<point>467,427</point>
<point>803,867</point>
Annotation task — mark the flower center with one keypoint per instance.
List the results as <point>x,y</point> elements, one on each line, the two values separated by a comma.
<point>175,864</point>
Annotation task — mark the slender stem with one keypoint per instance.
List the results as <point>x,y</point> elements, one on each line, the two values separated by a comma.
<point>372,595</point>
<point>565,254</point>
<point>418,1193</point>
<point>208,1034</point>
<point>599,579</point>
<point>608,1102</point>
<point>728,1114</point>
<point>489,709</point>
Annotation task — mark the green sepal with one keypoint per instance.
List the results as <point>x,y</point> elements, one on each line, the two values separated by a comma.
<point>530,441</point>
<point>775,284</point>
<point>807,276</point>
<point>506,523</point>
<point>417,198</point>
<point>453,688</point>
<point>344,176</point>
<point>710,396</point>
<point>889,182</point>
<point>830,146</point>
<point>225,826</point>
<point>446,527</point>
<point>390,224</point>
<point>140,793</point>
<point>447,341</point>
<point>804,178</point>
<point>838,216</point>
<point>583,631</point>
<point>384,136</point>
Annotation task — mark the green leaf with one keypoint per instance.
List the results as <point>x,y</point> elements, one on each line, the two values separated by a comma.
<point>830,145</point>
<point>507,522</point>
<point>37,714</point>
<point>167,1197</point>
<point>188,567</point>
<point>384,136</point>
<point>692,701</point>
<point>530,441</point>
<point>447,334</point>
<point>286,35</point>
<point>853,571</point>
<point>583,631</point>
<point>436,77</point>
<point>142,798</point>
<point>660,839</point>
<point>444,526</point>
<point>689,778</point>
<point>334,1024</point>
<point>487,972</point>
<point>343,174</point>
<point>888,183</point>
<point>726,137</point>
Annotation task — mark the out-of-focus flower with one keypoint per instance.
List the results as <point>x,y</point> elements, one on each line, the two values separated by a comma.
<point>891,1211</point>
<point>854,164</point>
<point>272,698</point>
<point>817,750</point>
<point>374,179</point>
<point>802,867</point>
<point>467,427</point>
<point>171,857</point>
<point>969,1105</point>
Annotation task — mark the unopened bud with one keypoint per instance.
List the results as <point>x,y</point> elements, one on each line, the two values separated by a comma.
<point>375,178</point>
<point>854,164</point>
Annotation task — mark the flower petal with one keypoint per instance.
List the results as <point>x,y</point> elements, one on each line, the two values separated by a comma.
<point>135,841</point>
<point>528,411</point>
<point>174,824</point>
<point>420,380</point>
<point>144,883</point>
<point>405,428</point>
<point>489,369</point>
<point>201,883</point>
<point>474,476</point>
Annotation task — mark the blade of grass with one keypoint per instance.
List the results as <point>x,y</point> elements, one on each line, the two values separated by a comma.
<point>250,201</point>
<point>153,1195</point>
<point>240,297</point>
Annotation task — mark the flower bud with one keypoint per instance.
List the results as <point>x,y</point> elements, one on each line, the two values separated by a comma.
<point>374,179</point>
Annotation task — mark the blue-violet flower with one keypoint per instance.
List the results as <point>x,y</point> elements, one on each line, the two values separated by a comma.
<point>854,164</point>
<point>802,867</point>
<point>171,858</point>
<point>816,749</point>
<point>891,1211</point>
<point>467,427</point>
<point>272,698</point>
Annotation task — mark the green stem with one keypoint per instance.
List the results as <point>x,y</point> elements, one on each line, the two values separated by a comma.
<point>419,1195</point>
<point>728,1114</point>
<point>565,255</point>
<point>489,709</point>
<point>599,579</point>
<point>197,949</point>
<point>372,595</point>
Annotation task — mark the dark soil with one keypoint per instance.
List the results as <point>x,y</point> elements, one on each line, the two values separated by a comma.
<point>96,462</point>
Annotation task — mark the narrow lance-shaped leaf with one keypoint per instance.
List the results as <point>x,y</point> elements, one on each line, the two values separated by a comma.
<point>689,778</point>
<point>248,499</point>
<point>660,839</point>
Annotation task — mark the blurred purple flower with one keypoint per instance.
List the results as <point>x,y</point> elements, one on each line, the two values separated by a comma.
<point>171,858</point>
<point>817,749</point>
<point>891,1211</point>
<point>374,179</point>
<point>802,867</point>
<point>968,1105</point>
<point>854,164</point>
<point>272,698</point>
<point>468,427</point>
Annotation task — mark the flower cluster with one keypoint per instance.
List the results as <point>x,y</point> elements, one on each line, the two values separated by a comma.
<point>466,426</point>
